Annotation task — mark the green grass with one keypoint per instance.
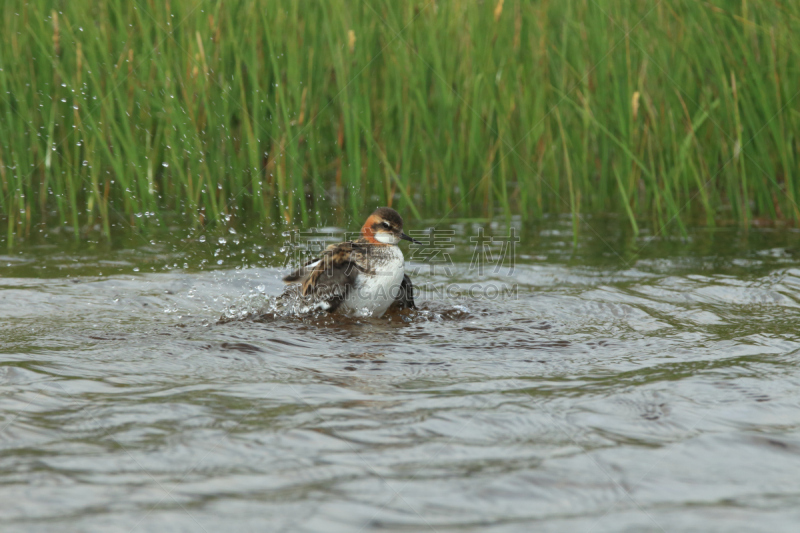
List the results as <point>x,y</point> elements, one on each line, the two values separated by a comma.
<point>126,112</point>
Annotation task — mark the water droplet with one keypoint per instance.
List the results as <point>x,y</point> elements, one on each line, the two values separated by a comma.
<point>221,240</point>
<point>202,238</point>
<point>165,164</point>
<point>64,100</point>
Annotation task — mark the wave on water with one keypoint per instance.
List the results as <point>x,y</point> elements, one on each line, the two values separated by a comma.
<point>291,305</point>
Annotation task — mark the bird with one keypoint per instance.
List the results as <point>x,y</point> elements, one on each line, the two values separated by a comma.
<point>363,277</point>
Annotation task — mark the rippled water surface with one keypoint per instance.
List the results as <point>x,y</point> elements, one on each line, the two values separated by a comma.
<point>627,384</point>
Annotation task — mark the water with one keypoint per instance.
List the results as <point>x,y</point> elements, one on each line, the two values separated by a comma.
<point>631,384</point>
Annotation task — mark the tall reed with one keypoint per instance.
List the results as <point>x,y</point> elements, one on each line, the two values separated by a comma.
<point>670,112</point>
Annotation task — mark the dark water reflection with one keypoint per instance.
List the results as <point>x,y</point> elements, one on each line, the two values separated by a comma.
<point>627,385</point>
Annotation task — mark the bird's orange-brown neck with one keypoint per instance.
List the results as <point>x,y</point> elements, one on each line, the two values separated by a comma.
<point>368,234</point>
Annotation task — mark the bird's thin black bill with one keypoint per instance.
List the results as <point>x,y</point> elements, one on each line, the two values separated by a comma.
<point>407,238</point>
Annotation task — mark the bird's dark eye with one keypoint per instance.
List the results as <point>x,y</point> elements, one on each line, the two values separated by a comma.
<point>385,225</point>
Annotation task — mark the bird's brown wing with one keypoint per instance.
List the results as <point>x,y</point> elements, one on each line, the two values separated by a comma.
<point>301,274</point>
<point>330,277</point>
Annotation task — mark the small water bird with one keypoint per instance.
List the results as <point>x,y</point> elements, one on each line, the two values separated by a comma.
<point>365,276</point>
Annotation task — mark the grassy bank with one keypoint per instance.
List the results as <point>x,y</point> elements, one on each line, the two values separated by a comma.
<point>123,112</point>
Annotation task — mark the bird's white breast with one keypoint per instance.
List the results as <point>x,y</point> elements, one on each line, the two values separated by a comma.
<point>374,291</point>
